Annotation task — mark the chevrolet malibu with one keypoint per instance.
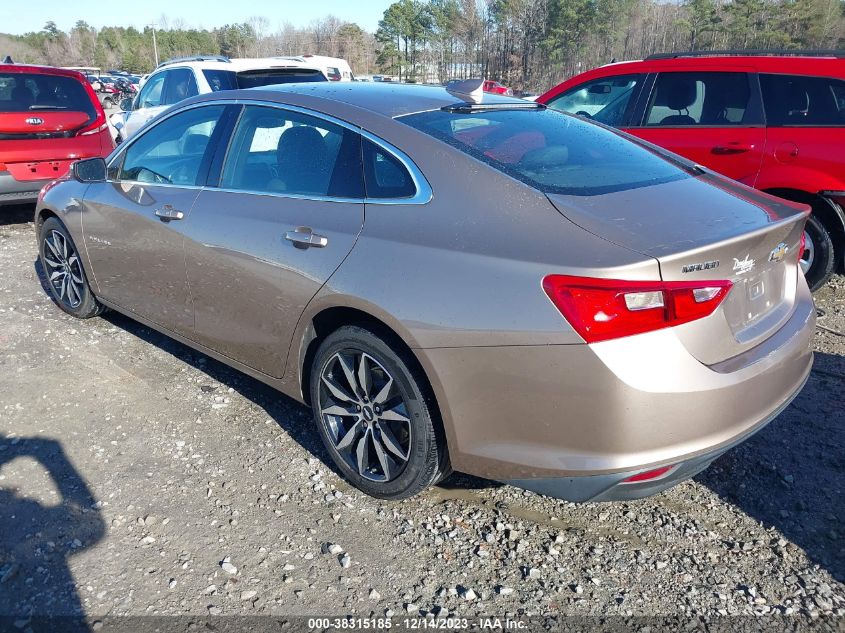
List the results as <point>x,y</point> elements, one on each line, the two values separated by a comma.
<point>449,281</point>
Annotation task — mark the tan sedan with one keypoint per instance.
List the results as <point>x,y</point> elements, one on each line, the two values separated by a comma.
<point>449,281</point>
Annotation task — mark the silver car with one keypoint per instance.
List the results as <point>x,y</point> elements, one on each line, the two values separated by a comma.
<point>449,281</point>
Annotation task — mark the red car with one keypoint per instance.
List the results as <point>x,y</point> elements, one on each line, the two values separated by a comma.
<point>496,88</point>
<point>49,117</point>
<point>772,121</point>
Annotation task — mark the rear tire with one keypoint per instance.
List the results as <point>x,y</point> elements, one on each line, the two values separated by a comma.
<point>819,259</point>
<point>66,280</point>
<point>375,415</point>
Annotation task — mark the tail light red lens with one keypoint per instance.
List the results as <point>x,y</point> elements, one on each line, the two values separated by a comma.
<point>605,309</point>
<point>648,475</point>
<point>802,245</point>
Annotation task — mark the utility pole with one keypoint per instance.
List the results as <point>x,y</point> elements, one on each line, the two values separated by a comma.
<point>155,47</point>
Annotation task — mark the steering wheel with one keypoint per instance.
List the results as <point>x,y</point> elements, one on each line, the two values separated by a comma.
<point>586,115</point>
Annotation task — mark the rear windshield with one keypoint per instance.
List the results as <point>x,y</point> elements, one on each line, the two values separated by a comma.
<point>29,92</point>
<point>230,80</point>
<point>551,151</point>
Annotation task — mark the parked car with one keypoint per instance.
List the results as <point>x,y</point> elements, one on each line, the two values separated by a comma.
<point>774,121</point>
<point>177,79</point>
<point>493,311</point>
<point>49,117</point>
<point>494,87</point>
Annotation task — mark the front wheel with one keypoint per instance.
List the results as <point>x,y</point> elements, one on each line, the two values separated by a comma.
<point>374,414</point>
<point>66,280</point>
<point>819,259</point>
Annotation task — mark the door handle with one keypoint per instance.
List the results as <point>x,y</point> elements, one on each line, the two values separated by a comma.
<point>305,237</point>
<point>168,213</point>
<point>733,148</point>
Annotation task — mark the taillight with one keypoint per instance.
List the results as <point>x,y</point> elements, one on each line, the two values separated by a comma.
<point>802,245</point>
<point>604,309</point>
<point>2,167</point>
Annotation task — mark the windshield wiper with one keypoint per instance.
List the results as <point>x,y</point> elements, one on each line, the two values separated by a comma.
<point>47,107</point>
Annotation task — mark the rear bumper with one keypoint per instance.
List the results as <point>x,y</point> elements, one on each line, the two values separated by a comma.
<point>16,192</point>
<point>612,487</point>
<point>574,421</point>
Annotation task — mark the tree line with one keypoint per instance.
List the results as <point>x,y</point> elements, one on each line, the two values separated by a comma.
<point>527,44</point>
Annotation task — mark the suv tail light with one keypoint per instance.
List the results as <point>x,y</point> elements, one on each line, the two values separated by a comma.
<point>802,245</point>
<point>99,123</point>
<point>604,309</point>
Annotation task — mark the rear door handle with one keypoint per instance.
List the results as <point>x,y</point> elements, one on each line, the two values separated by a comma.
<point>168,213</point>
<point>733,148</point>
<point>304,237</point>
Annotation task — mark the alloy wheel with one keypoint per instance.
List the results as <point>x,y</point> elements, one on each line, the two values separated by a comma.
<point>809,254</point>
<point>64,271</point>
<point>365,415</point>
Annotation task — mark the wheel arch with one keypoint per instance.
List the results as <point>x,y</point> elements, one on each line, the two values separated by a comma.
<point>329,318</point>
<point>828,212</point>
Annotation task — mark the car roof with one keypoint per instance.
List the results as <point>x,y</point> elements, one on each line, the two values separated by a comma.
<point>388,99</point>
<point>797,64</point>
<point>239,64</point>
<point>45,70</point>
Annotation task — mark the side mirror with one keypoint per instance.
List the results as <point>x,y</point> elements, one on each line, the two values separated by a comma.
<point>89,170</point>
<point>125,104</point>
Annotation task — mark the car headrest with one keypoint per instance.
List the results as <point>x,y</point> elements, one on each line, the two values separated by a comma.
<point>681,94</point>
<point>303,146</point>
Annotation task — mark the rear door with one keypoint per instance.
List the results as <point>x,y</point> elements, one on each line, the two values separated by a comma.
<point>712,118</point>
<point>288,210</point>
<point>134,222</point>
<point>806,128</point>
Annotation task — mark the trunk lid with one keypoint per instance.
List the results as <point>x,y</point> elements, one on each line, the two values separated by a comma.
<point>708,228</point>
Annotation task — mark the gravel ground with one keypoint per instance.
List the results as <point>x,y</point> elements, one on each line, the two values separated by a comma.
<point>138,477</point>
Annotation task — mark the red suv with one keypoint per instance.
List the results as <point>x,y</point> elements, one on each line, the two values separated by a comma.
<point>49,117</point>
<point>774,121</point>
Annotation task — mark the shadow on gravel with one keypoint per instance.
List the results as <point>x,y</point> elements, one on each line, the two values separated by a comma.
<point>791,475</point>
<point>17,214</point>
<point>37,536</point>
<point>289,414</point>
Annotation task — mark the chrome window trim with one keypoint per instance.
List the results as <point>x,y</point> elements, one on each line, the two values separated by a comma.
<point>423,194</point>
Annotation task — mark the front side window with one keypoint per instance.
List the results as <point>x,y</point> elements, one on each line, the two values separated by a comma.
<point>172,152</point>
<point>180,85</point>
<point>152,92</point>
<point>797,100</point>
<point>605,100</point>
<point>279,151</point>
<point>711,99</point>
<point>549,150</point>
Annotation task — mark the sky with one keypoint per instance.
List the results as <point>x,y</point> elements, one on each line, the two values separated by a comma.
<point>195,13</point>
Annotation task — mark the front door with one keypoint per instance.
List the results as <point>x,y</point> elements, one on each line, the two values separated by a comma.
<point>258,247</point>
<point>133,223</point>
<point>712,118</point>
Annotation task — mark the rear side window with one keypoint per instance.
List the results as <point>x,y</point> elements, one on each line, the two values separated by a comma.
<point>278,151</point>
<point>605,100</point>
<point>551,151</point>
<point>795,100</point>
<point>172,151</point>
<point>689,99</point>
<point>31,92</point>
<point>384,175</point>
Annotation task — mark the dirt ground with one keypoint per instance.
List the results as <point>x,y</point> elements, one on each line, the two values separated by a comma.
<point>138,477</point>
